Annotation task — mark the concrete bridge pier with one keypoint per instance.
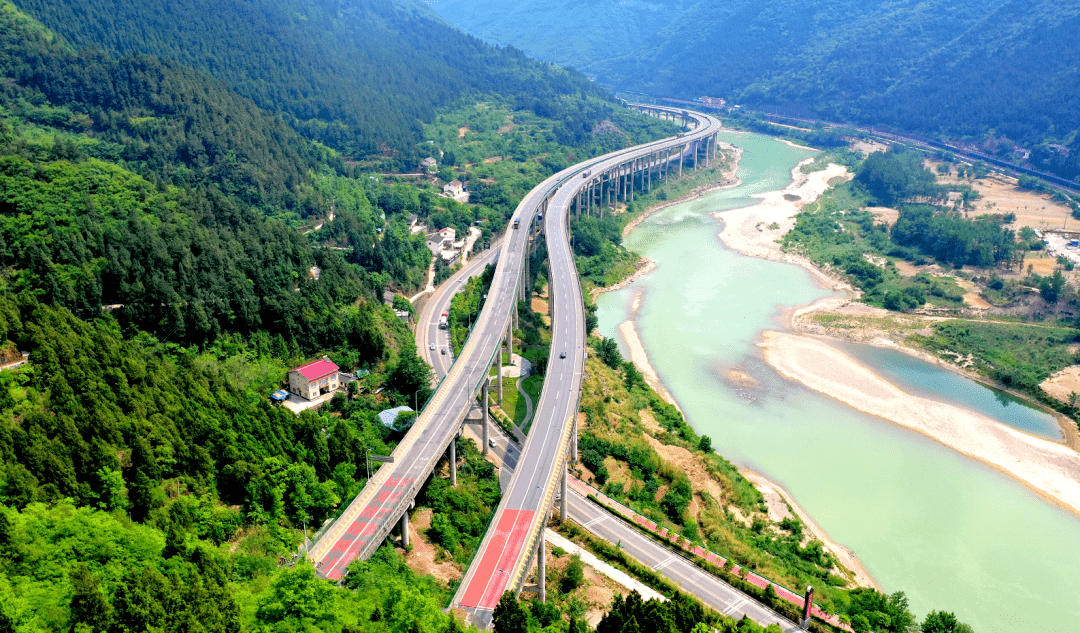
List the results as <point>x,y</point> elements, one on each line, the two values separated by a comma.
<point>405,530</point>
<point>573,442</point>
<point>453,459</point>
<point>498,370</point>
<point>484,420</point>
<point>510,342</point>
<point>541,567</point>
<point>562,497</point>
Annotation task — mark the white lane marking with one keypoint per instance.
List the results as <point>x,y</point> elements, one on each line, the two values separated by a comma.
<point>594,521</point>
<point>734,606</point>
<point>667,561</point>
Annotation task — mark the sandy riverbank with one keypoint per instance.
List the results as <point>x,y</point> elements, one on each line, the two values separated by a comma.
<point>780,501</point>
<point>755,230</point>
<point>1050,468</point>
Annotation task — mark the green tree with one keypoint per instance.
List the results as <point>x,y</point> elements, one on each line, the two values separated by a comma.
<point>410,379</point>
<point>509,616</point>
<point>298,594</point>
<point>943,622</point>
<point>608,351</point>
<point>573,575</point>
<point>90,611</point>
<point>1050,287</point>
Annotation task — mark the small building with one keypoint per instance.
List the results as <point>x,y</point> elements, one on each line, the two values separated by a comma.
<point>454,188</point>
<point>314,379</point>
<point>429,164</point>
<point>389,416</point>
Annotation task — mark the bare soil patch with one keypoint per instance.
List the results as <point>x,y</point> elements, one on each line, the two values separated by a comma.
<point>1000,195</point>
<point>462,131</point>
<point>422,557</point>
<point>888,215</point>
<point>689,463</point>
<point>650,423</point>
<point>1063,383</point>
<point>1043,265</point>
<point>868,147</point>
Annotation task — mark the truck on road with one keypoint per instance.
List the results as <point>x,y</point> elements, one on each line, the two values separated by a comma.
<point>517,223</point>
<point>442,320</point>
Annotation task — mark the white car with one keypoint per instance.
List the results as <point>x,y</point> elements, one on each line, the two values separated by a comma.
<point>491,442</point>
<point>431,347</point>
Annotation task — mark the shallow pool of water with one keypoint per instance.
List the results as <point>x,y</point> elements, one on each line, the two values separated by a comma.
<point>929,380</point>
<point>952,533</point>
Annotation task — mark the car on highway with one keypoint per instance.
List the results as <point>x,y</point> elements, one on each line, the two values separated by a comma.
<point>431,347</point>
<point>562,354</point>
<point>491,442</point>
<point>444,351</point>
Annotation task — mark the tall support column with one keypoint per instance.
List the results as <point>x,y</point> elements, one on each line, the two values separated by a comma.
<point>484,423</point>
<point>633,174</point>
<point>808,600</point>
<point>405,530</point>
<point>453,461</point>
<point>541,564</point>
<point>510,343</point>
<point>574,441</point>
<point>647,184</point>
<point>682,152</point>
<point>708,150</point>
<point>562,497</point>
<point>498,371</point>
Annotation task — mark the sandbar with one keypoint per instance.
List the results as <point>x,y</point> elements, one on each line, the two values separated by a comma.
<point>776,494</point>
<point>1050,468</point>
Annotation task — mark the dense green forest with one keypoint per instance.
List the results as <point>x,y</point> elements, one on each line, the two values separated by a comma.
<point>361,77</point>
<point>997,73</point>
<point>169,248</point>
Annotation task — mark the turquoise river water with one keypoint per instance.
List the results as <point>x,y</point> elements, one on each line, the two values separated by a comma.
<point>950,532</point>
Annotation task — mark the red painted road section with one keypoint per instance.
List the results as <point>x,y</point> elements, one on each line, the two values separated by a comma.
<point>362,528</point>
<point>493,572</point>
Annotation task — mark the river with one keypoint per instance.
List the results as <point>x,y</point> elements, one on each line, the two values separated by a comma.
<point>950,532</point>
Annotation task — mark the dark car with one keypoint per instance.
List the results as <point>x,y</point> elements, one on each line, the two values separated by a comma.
<point>562,355</point>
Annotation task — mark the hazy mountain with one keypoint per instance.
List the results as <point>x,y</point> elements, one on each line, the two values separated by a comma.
<point>577,34</point>
<point>957,68</point>
<point>359,75</point>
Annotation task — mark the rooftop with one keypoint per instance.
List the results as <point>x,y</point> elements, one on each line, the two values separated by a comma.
<point>388,416</point>
<point>317,369</point>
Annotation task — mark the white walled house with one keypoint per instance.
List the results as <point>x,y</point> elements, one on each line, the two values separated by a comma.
<point>314,379</point>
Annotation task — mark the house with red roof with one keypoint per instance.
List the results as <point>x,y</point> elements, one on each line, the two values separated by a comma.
<point>314,379</point>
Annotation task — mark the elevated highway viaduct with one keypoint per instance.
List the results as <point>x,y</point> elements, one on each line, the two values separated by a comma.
<point>514,536</point>
<point>384,502</point>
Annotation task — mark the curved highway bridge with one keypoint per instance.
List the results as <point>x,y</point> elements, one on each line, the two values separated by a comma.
<point>508,547</point>
<point>515,533</point>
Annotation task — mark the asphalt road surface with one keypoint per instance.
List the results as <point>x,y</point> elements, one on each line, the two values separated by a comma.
<point>503,558</point>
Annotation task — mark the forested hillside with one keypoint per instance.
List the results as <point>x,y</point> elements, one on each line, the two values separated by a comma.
<point>360,76</point>
<point>169,248</point>
<point>999,72</point>
<point>572,34</point>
